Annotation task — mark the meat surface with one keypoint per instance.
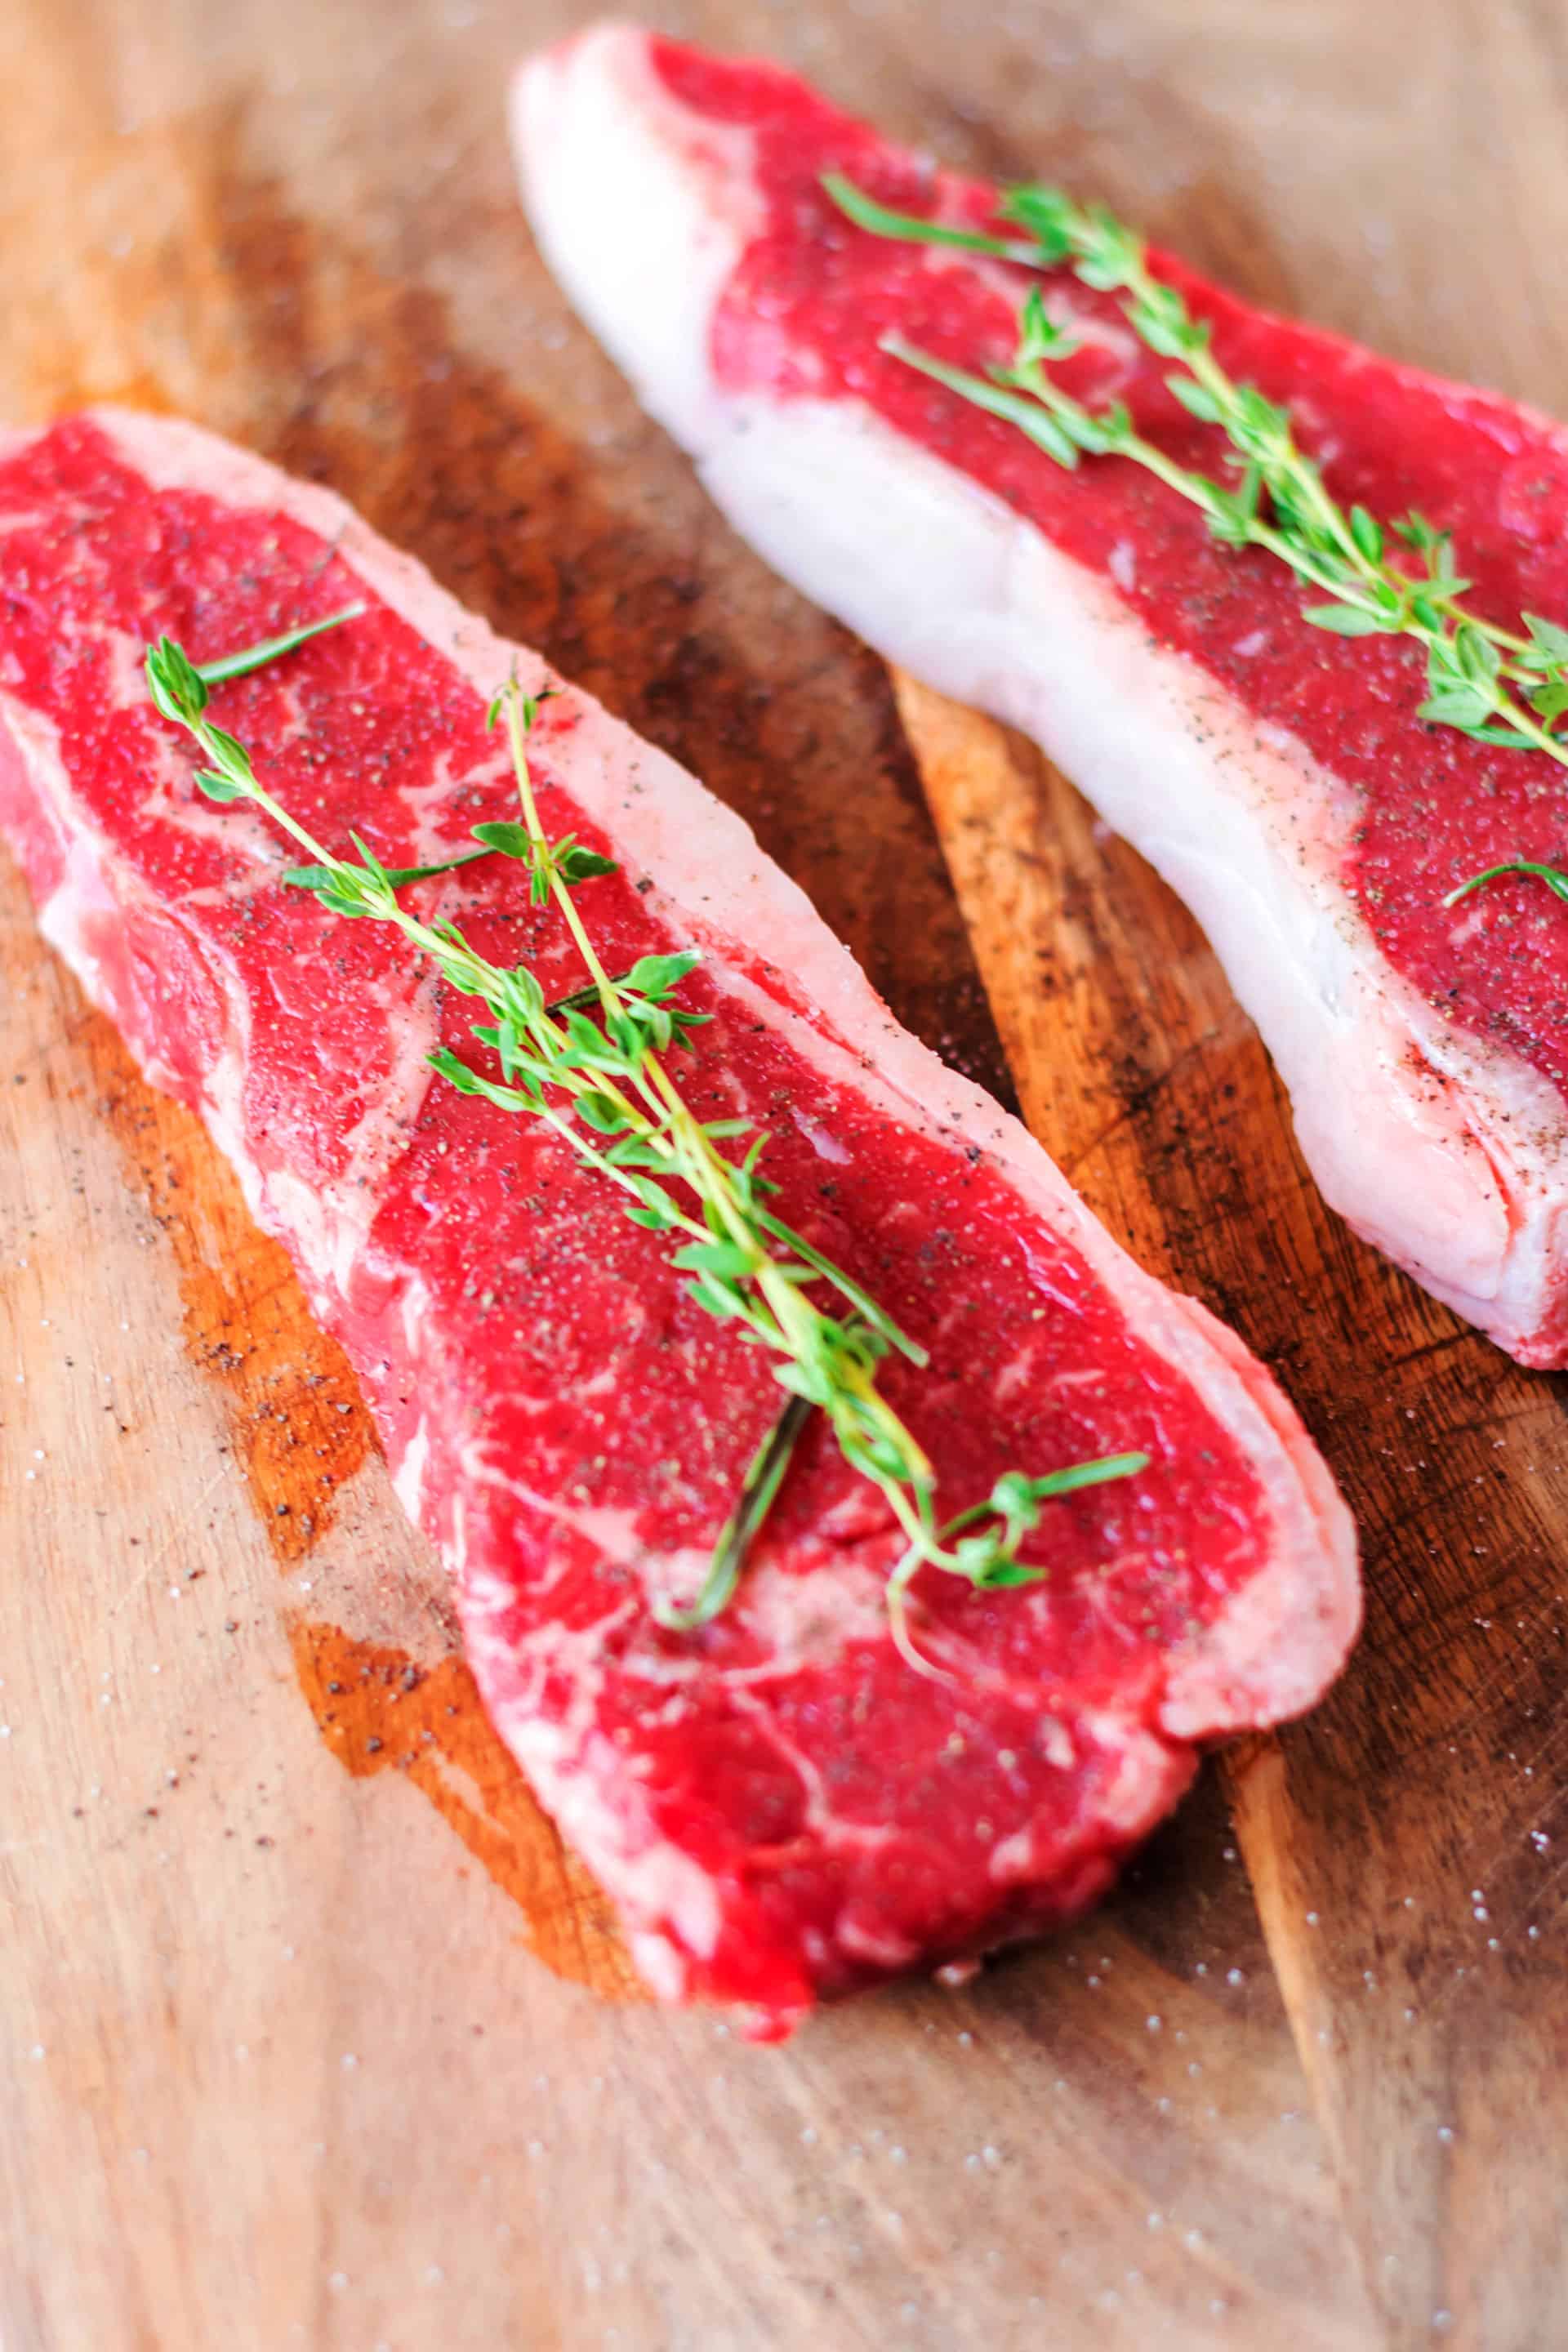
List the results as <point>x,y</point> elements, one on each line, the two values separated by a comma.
<point>779,1806</point>
<point>1277,777</point>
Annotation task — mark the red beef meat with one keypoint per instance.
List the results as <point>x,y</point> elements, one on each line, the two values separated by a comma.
<point>781,1808</point>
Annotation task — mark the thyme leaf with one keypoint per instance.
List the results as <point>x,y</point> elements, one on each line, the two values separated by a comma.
<point>320,877</point>
<point>759,1489</point>
<point>270,649</point>
<point>1553,876</point>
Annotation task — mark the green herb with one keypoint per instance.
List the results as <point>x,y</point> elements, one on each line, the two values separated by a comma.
<point>599,1079</point>
<point>314,878</point>
<point>763,1477</point>
<point>1013,1505</point>
<point>577,998</point>
<point>1499,686</point>
<point>1552,876</point>
<point>270,649</point>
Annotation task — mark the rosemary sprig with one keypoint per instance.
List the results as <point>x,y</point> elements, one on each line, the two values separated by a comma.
<point>1499,686</point>
<point>1552,876</point>
<point>599,1078</point>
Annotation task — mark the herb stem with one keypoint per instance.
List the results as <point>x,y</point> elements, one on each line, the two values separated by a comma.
<point>561,892</point>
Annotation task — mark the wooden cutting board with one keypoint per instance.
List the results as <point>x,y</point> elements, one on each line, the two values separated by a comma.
<point>312,2034</point>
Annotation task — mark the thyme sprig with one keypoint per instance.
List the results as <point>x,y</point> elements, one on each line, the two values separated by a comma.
<point>1501,686</point>
<point>592,1066</point>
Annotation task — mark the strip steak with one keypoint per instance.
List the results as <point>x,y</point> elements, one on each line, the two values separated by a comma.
<point>1277,777</point>
<point>781,1808</point>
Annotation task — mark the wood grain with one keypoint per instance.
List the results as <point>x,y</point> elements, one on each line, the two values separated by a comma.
<point>288,2061</point>
<point>1401,1840</point>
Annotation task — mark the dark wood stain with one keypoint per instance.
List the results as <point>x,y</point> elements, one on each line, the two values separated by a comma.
<point>378,1710</point>
<point>300,1430</point>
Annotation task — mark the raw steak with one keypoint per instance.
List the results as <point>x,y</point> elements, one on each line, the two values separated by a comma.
<point>779,1805</point>
<point>1276,776</point>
